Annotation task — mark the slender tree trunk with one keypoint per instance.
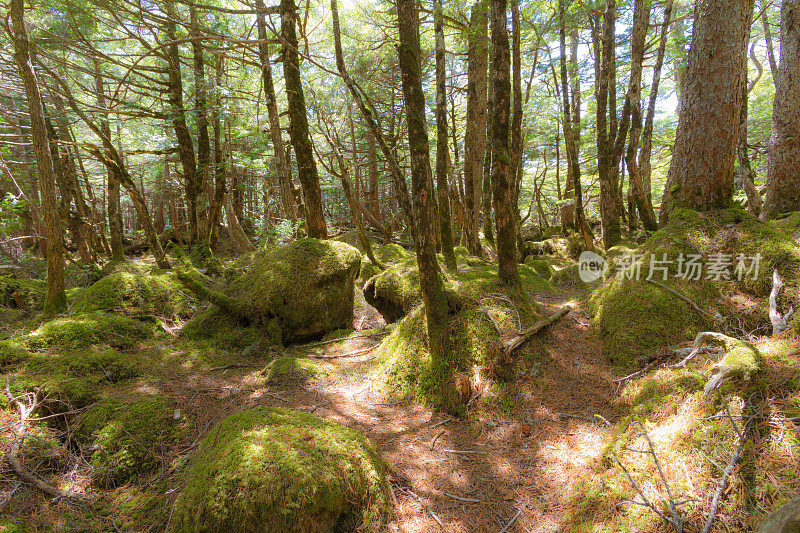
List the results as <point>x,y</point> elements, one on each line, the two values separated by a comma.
<point>442,158</point>
<point>488,232</point>
<point>281,162</point>
<point>298,124</point>
<point>516,123</point>
<point>701,173</point>
<point>647,132</point>
<point>436,310</point>
<point>56,300</point>
<point>475,132</point>
<point>569,141</point>
<point>745,177</point>
<point>201,112</point>
<point>641,17</point>
<point>178,114</point>
<point>783,161</point>
<point>502,178</point>
<point>113,207</point>
<point>398,179</point>
<point>773,65</point>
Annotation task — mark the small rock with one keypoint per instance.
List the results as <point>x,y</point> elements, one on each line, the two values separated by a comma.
<point>176,414</point>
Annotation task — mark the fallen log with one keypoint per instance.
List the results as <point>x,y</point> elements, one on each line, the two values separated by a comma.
<point>517,340</point>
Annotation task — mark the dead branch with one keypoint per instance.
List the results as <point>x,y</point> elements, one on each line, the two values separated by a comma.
<point>517,340</point>
<point>780,323</point>
<point>685,299</point>
<point>25,410</point>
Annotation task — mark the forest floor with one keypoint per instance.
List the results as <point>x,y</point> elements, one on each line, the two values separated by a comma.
<point>510,462</point>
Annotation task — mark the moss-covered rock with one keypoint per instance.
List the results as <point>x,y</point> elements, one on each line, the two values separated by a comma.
<point>278,470</point>
<point>288,370</point>
<point>636,317</point>
<point>126,436</point>
<point>303,289</point>
<point>80,330</point>
<point>159,294</point>
<point>395,291</point>
<point>225,332</point>
<point>20,293</point>
<point>387,255</point>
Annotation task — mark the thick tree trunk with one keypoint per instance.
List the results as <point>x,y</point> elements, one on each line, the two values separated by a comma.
<point>641,16</point>
<point>701,172</point>
<point>436,310</point>
<point>442,149</point>
<point>783,161</point>
<point>281,162</point>
<point>220,189</point>
<point>475,132</point>
<point>502,178</point>
<point>298,124</point>
<point>56,300</point>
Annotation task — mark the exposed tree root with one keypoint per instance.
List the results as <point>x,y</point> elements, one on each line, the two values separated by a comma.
<point>780,322</point>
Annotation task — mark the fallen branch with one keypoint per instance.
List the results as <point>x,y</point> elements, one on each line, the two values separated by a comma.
<point>685,299</point>
<point>517,340</point>
<point>459,498</point>
<point>340,355</point>
<point>25,411</point>
<point>349,337</point>
<point>411,493</point>
<point>510,522</point>
<point>780,323</point>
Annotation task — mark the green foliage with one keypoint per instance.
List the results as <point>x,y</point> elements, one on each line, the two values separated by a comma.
<point>278,470</point>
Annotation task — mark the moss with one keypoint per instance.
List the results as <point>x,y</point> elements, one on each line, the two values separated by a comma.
<point>282,470</point>
<point>28,294</point>
<point>84,329</point>
<point>285,370</point>
<point>7,526</point>
<point>224,331</point>
<point>126,436</point>
<point>306,286</point>
<point>635,317</point>
<point>541,266</point>
<point>395,291</point>
<point>159,294</point>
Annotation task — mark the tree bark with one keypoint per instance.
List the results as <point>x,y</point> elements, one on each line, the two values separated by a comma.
<point>516,123</point>
<point>298,124</point>
<point>701,172</point>
<point>201,113</point>
<point>475,132</point>
<point>745,177</point>
<point>783,160</point>
<point>281,162</point>
<point>502,196</point>
<point>178,113</point>
<point>442,148</point>
<point>56,300</point>
<point>641,17</point>
<point>436,310</point>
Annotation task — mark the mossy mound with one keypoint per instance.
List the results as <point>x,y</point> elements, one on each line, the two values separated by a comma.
<point>279,470</point>
<point>692,434</point>
<point>20,293</point>
<point>543,267</point>
<point>387,255</point>
<point>303,289</point>
<point>224,331</point>
<point>636,317</point>
<point>127,436</point>
<point>485,306</point>
<point>158,293</point>
<point>81,330</point>
<point>395,291</point>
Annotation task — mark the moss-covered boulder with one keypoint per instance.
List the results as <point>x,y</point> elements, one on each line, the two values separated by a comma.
<point>159,293</point>
<point>395,291</point>
<point>20,293</point>
<point>288,370</point>
<point>302,289</point>
<point>126,436</point>
<point>387,255</point>
<point>637,317</point>
<point>279,470</point>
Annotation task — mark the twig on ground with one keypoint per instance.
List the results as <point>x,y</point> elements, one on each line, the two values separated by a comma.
<point>349,337</point>
<point>510,522</point>
<point>354,353</point>
<point>435,437</point>
<point>424,506</point>
<point>684,298</point>
<point>459,498</point>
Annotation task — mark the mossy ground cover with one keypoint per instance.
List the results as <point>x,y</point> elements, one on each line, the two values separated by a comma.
<point>690,431</point>
<point>487,309</point>
<point>299,472</point>
<point>636,317</point>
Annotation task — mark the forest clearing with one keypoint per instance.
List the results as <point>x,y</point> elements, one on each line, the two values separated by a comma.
<point>400,266</point>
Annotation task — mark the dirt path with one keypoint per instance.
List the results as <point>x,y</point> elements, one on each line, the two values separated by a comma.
<point>519,462</point>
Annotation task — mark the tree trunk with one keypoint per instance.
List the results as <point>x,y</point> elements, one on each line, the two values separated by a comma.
<point>436,310</point>
<point>237,233</point>
<point>745,177</point>
<point>701,172</point>
<point>569,141</point>
<point>647,133</point>
<point>56,300</point>
<point>281,162</point>
<point>201,112</point>
<point>783,161</point>
<point>641,16</point>
<point>475,132</point>
<point>442,149</point>
<point>502,196</point>
<point>516,123</point>
<point>298,124</point>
